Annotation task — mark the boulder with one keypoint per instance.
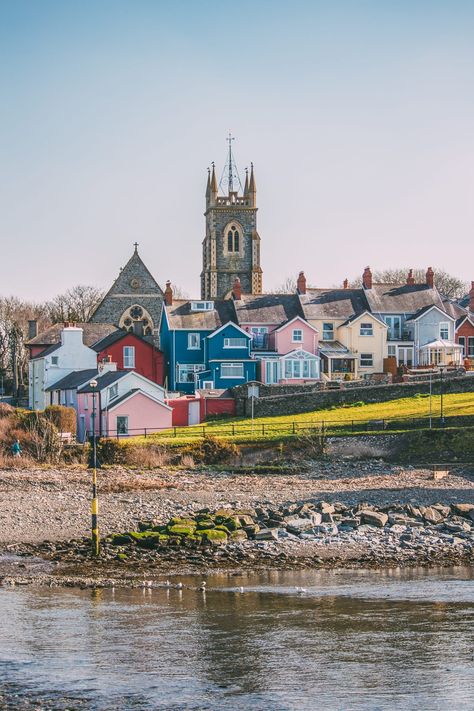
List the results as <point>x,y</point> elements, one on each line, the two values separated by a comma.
<point>373,518</point>
<point>432,515</point>
<point>267,534</point>
<point>298,525</point>
<point>465,510</point>
<point>326,508</point>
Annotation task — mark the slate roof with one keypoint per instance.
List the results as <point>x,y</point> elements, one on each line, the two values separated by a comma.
<point>274,309</point>
<point>105,380</point>
<point>454,309</point>
<point>47,351</point>
<point>73,380</point>
<point>180,315</point>
<point>402,298</point>
<point>92,332</point>
<point>338,304</point>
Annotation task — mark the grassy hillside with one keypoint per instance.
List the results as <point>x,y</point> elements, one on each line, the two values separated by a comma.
<point>267,428</point>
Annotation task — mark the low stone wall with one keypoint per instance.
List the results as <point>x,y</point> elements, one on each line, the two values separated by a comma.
<point>289,400</point>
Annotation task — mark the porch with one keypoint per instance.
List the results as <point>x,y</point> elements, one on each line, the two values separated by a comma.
<point>337,362</point>
<point>440,352</point>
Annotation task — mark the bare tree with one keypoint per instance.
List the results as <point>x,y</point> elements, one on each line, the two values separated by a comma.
<point>448,285</point>
<point>287,287</point>
<point>179,292</point>
<point>76,304</point>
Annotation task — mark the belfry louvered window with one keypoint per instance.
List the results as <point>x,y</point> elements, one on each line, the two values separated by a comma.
<point>233,239</point>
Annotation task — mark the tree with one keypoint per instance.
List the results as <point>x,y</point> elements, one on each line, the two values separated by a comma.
<point>448,285</point>
<point>179,292</point>
<point>287,287</point>
<point>76,304</point>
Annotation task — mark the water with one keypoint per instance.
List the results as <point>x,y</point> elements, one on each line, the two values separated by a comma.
<point>352,640</point>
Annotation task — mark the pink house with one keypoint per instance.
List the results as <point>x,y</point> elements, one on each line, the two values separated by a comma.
<point>295,358</point>
<point>125,404</point>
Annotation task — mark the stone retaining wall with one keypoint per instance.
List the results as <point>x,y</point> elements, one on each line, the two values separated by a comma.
<point>298,400</point>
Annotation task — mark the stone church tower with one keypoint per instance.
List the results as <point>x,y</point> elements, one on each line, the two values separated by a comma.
<point>231,247</point>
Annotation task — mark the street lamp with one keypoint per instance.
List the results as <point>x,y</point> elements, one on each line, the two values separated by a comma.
<point>95,503</point>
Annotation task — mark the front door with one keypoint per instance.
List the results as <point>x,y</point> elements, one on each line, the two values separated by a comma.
<point>271,372</point>
<point>193,413</point>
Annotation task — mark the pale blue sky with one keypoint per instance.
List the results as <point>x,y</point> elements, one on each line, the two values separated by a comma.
<point>358,116</point>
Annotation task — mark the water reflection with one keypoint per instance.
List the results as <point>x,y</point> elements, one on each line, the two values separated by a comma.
<point>353,641</point>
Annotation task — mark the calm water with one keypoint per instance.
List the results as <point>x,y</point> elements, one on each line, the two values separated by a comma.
<point>352,641</point>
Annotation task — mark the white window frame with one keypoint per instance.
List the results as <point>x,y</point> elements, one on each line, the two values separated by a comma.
<point>294,368</point>
<point>366,357</point>
<point>122,417</point>
<point>470,346</point>
<point>444,326</point>
<point>462,343</point>
<point>394,331</point>
<point>128,357</point>
<point>194,342</point>
<point>294,338</point>
<point>328,323</point>
<point>202,305</point>
<point>189,368</point>
<point>366,329</point>
<point>113,392</point>
<point>231,342</point>
<point>392,354</point>
<point>207,385</point>
<point>240,366</point>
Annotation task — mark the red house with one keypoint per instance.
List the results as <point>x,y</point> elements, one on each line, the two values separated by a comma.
<point>131,352</point>
<point>465,330</point>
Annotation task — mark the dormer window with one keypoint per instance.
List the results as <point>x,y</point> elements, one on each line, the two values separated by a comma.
<point>233,239</point>
<point>202,305</point>
<point>113,391</point>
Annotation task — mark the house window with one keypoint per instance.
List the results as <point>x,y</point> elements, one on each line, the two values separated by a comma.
<point>462,343</point>
<point>328,331</point>
<point>233,239</point>
<point>470,347</point>
<point>366,329</point>
<point>86,402</point>
<point>300,368</point>
<point>54,360</point>
<point>259,336</point>
<point>232,370</point>
<point>444,331</point>
<point>122,425</point>
<point>113,391</point>
<point>366,360</point>
<point>207,385</point>
<point>187,373</point>
<point>394,324</point>
<point>129,356</point>
<point>202,305</point>
<point>297,335</point>
<point>235,343</point>
<point>392,351</point>
<point>194,342</point>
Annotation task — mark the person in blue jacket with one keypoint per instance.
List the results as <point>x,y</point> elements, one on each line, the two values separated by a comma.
<point>16,448</point>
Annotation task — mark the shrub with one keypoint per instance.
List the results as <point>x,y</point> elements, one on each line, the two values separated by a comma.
<point>5,410</point>
<point>148,456</point>
<point>212,450</point>
<point>111,451</point>
<point>63,418</point>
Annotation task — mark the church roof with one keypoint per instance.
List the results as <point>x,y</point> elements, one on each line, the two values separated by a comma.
<point>267,308</point>
<point>181,316</point>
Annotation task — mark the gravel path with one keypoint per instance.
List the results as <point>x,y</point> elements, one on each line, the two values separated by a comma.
<point>53,504</point>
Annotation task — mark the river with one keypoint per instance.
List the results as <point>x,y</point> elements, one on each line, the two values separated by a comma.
<point>350,640</point>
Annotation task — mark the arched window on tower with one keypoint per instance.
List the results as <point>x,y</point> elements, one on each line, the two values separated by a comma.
<point>233,239</point>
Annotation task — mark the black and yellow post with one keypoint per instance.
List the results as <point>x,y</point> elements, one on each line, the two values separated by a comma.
<point>95,501</point>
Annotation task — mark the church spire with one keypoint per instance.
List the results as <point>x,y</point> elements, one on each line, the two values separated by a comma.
<point>246,186</point>
<point>213,186</point>
<point>208,186</point>
<point>252,187</point>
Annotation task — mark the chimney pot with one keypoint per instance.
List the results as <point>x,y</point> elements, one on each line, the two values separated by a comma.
<point>237,289</point>
<point>32,329</point>
<point>168,294</point>
<point>410,278</point>
<point>301,283</point>
<point>367,278</point>
<point>471,298</point>
<point>345,284</point>
<point>430,277</point>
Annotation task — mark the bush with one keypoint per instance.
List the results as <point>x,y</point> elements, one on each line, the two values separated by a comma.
<point>5,410</point>
<point>212,450</point>
<point>63,418</point>
<point>148,456</point>
<point>111,451</point>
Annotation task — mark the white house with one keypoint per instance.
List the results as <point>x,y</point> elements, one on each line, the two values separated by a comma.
<point>56,362</point>
<point>432,331</point>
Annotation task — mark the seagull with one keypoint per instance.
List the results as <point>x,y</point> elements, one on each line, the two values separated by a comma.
<point>300,590</point>
<point>203,586</point>
<point>167,584</point>
<point>179,586</point>
<point>241,589</point>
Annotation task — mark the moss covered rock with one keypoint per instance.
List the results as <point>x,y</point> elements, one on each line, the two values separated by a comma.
<point>181,529</point>
<point>214,537</point>
<point>120,539</point>
<point>204,524</point>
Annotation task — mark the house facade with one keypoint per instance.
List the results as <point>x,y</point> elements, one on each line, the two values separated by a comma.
<point>131,352</point>
<point>294,358</point>
<point>432,332</point>
<point>227,358</point>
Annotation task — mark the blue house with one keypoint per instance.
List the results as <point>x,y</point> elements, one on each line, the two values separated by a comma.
<point>202,347</point>
<point>228,358</point>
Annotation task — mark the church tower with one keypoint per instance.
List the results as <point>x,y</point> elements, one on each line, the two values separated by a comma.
<point>231,247</point>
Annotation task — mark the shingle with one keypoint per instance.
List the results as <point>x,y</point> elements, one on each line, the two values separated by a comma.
<point>73,380</point>
<point>401,298</point>
<point>338,304</point>
<point>274,309</point>
<point>104,381</point>
<point>180,315</point>
<point>92,332</point>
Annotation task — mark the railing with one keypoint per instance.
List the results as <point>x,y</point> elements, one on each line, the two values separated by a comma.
<point>294,427</point>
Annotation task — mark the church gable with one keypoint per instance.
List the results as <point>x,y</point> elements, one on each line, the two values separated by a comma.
<point>134,300</point>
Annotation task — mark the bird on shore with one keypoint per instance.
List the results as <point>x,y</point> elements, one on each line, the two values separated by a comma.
<point>202,587</point>
<point>241,589</point>
<point>300,591</point>
<point>179,586</point>
<point>167,584</point>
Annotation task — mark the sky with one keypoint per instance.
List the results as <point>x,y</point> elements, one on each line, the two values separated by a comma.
<point>358,116</point>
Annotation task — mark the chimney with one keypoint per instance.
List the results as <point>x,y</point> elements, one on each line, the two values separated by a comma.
<point>237,289</point>
<point>32,329</point>
<point>345,284</point>
<point>471,298</point>
<point>168,294</point>
<point>301,283</point>
<point>430,277</point>
<point>367,278</point>
<point>71,336</point>
<point>410,278</point>
<point>107,366</point>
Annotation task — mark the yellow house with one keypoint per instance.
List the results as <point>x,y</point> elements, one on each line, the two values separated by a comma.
<point>353,342</point>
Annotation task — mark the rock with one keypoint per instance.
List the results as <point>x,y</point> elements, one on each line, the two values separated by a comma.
<point>298,525</point>
<point>245,520</point>
<point>305,509</point>
<point>350,522</point>
<point>373,518</point>
<point>267,534</point>
<point>326,508</point>
<point>465,510</point>
<point>432,515</point>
